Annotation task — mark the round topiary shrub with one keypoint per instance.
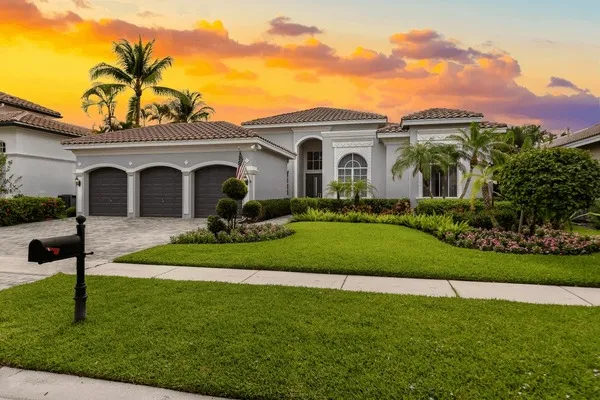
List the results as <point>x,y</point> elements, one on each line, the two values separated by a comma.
<point>551,184</point>
<point>215,224</point>
<point>252,210</point>
<point>235,189</point>
<point>227,209</point>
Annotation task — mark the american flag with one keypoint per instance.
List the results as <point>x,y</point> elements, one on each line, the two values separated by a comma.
<point>242,172</point>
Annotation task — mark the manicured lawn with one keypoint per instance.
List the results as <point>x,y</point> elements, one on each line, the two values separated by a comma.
<point>585,230</point>
<point>377,249</point>
<point>266,342</point>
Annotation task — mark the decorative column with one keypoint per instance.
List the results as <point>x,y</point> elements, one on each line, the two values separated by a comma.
<point>131,195</point>
<point>81,182</point>
<point>187,195</point>
<point>252,175</point>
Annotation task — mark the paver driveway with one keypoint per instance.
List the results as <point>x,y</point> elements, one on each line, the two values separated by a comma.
<point>107,237</point>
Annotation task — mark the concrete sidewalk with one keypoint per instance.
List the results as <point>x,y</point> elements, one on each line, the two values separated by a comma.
<point>18,384</point>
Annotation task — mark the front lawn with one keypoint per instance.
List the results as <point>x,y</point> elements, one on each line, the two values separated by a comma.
<point>267,342</point>
<point>377,249</point>
<point>584,230</point>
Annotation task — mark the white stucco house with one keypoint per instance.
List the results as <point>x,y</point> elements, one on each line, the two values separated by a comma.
<point>31,136</point>
<point>177,169</point>
<point>585,139</point>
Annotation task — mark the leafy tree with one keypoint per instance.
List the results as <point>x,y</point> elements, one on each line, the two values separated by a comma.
<point>136,70</point>
<point>104,97</point>
<point>551,184</point>
<point>419,157</point>
<point>9,183</point>
<point>189,107</point>
<point>527,137</point>
<point>338,188</point>
<point>478,146</point>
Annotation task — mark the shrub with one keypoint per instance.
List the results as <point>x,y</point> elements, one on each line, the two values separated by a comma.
<point>551,183</point>
<point>71,212</point>
<point>372,206</point>
<point>252,210</point>
<point>461,211</point>
<point>215,224</point>
<point>235,189</point>
<point>596,210</point>
<point>274,208</point>
<point>301,205</point>
<point>29,209</point>
<point>227,209</point>
<point>243,234</point>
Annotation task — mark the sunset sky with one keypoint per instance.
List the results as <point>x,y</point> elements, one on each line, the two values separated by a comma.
<point>516,61</point>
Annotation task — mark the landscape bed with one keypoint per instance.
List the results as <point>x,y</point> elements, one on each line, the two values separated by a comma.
<point>265,342</point>
<point>379,250</point>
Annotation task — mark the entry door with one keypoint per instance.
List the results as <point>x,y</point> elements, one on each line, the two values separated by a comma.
<point>314,185</point>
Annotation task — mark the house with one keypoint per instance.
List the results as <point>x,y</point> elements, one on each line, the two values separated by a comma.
<point>585,139</point>
<point>30,135</point>
<point>177,169</point>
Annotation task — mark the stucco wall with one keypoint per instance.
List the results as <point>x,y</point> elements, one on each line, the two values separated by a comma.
<point>593,148</point>
<point>271,177</point>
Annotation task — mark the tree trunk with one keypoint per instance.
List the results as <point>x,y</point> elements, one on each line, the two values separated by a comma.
<point>521,218</point>
<point>487,199</point>
<point>467,183</point>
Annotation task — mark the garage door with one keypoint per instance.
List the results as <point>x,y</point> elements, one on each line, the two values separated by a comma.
<point>160,192</point>
<point>207,188</point>
<point>108,192</point>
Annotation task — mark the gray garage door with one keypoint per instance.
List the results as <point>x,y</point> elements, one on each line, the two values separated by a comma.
<point>207,186</point>
<point>160,192</point>
<point>108,192</point>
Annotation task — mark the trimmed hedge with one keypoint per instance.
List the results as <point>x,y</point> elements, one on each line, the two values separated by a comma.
<point>460,210</point>
<point>20,210</point>
<point>375,206</point>
<point>274,208</point>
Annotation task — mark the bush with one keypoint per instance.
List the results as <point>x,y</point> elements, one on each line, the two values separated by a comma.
<point>215,224</point>
<point>227,209</point>
<point>461,211</point>
<point>252,210</point>
<point>235,189</point>
<point>243,234</point>
<point>596,210</point>
<point>71,212</point>
<point>29,209</point>
<point>274,208</point>
<point>371,206</point>
<point>551,183</point>
<point>301,205</point>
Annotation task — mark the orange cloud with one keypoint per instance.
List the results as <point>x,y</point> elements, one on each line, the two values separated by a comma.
<point>307,77</point>
<point>236,75</point>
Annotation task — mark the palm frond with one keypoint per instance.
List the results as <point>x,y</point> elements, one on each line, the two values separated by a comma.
<point>104,70</point>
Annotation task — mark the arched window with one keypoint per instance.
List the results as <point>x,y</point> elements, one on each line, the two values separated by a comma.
<point>2,147</point>
<point>351,168</point>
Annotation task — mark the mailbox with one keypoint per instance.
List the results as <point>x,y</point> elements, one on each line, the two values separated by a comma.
<point>55,248</point>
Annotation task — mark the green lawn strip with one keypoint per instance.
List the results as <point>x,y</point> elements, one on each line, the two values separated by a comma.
<point>377,249</point>
<point>583,230</point>
<point>268,342</point>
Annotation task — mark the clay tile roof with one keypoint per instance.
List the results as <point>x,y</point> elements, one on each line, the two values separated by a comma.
<point>35,121</point>
<point>442,113</point>
<point>391,128</point>
<point>492,125</point>
<point>319,114</point>
<point>586,133</point>
<point>172,132</point>
<point>26,105</point>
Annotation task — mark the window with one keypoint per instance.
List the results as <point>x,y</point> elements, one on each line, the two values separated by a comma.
<point>2,147</point>
<point>442,183</point>
<point>352,168</point>
<point>314,160</point>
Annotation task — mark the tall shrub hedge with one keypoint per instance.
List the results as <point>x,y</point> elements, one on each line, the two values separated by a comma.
<point>375,206</point>
<point>19,210</point>
<point>461,211</point>
<point>274,208</point>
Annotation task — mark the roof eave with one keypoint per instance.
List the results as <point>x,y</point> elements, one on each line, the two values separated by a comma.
<point>38,128</point>
<point>438,121</point>
<point>318,123</point>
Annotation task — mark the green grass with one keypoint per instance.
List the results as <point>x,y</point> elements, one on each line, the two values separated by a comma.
<point>268,342</point>
<point>584,230</point>
<point>377,249</point>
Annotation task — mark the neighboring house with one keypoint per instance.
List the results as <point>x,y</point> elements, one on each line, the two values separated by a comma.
<point>585,139</point>
<point>30,135</point>
<point>177,169</point>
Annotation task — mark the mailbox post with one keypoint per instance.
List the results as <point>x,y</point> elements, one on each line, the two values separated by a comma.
<point>63,247</point>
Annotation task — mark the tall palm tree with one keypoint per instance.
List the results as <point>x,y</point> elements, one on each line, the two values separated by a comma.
<point>104,97</point>
<point>447,156</point>
<point>158,112</point>
<point>484,182</point>
<point>136,70</point>
<point>189,107</point>
<point>478,146</point>
<point>418,156</point>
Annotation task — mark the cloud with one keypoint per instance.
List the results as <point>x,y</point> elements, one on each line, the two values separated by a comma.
<point>148,14</point>
<point>282,26</point>
<point>429,44</point>
<point>307,77</point>
<point>556,82</point>
<point>236,75</point>
<point>82,4</point>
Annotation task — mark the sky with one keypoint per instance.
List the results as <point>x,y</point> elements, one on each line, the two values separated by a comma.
<point>518,62</point>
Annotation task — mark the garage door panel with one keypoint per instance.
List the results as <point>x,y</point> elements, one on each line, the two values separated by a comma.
<point>161,192</point>
<point>207,188</point>
<point>108,192</point>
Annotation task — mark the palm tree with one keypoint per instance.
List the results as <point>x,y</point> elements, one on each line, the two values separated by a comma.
<point>189,107</point>
<point>484,182</point>
<point>360,188</point>
<point>477,146</point>
<point>338,188</point>
<point>420,157</point>
<point>157,112</point>
<point>447,156</point>
<point>104,97</point>
<point>135,70</point>
<point>527,137</point>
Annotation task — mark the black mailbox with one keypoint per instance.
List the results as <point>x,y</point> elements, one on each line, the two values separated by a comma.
<point>55,248</point>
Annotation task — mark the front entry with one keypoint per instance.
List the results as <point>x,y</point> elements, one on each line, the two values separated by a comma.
<point>314,185</point>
